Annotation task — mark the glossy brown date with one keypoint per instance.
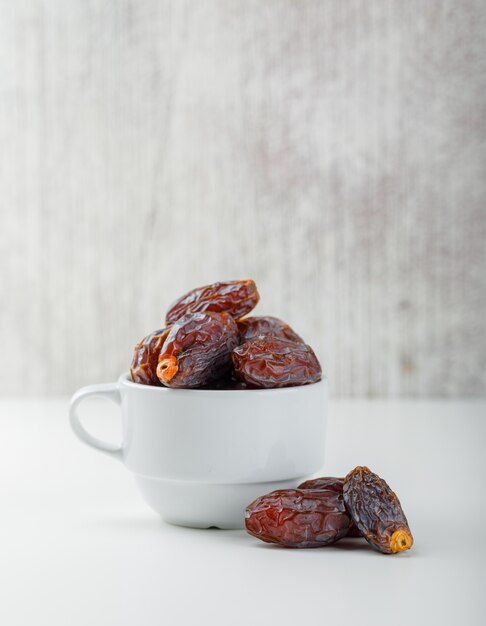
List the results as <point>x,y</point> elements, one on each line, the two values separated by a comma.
<point>197,350</point>
<point>376,511</point>
<point>235,297</point>
<point>271,362</point>
<point>296,518</point>
<point>331,484</point>
<point>258,327</point>
<point>145,358</point>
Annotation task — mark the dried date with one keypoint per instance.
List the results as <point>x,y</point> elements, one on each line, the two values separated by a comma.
<point>296,518</point>
<point>145,358</point>
<point>236,297</point>
<point>197,350</point>
<point>331,484</point>
<point>258,327</point>
<point>376,511</point>
<point>271,362</point>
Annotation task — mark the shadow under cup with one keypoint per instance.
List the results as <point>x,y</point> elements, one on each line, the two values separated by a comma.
<point>199,457</point>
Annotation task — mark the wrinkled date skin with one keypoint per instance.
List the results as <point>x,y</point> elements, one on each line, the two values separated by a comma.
<point>331,484</point>
<point>376,511</point>
<point>271,362</point>
<point>258,327</point>
<point>296,518</point>
<point>197,350</point>
<point>236,297</point>
<point>146,356</point>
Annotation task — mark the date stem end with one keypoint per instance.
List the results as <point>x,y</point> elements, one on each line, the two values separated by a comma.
<point>400,540</point>
<point>167,368</point>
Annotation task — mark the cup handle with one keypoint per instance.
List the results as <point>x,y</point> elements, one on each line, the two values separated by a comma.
<point>110,391</point>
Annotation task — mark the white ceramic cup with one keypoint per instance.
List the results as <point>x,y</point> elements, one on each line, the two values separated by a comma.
<point>199,456</point>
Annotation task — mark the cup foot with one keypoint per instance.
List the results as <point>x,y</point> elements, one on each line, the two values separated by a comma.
<point>205,505</point>
<point>203,525</point>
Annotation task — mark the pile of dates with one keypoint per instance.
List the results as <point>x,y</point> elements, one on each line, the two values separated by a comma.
<point>323,510</point>
<point>208,342</point>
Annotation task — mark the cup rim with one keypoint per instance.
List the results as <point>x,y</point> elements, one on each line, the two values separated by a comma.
<point>125,379</point>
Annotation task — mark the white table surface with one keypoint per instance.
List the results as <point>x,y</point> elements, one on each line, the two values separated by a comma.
<point>78,546</point>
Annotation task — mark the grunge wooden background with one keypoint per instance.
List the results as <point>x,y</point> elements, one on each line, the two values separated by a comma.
<point>332,150</point>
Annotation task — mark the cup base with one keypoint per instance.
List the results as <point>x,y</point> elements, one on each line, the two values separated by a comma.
<point>205,505</point>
